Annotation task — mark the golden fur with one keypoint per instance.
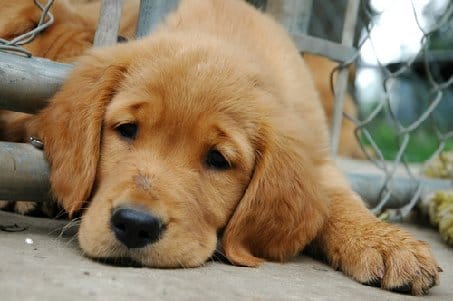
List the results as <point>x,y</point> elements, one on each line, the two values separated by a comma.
<point>216,75</point>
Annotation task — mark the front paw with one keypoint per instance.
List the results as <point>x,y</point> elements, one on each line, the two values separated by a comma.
<point>390,258</point>
<point>20,207</point>
<point>41,209</point>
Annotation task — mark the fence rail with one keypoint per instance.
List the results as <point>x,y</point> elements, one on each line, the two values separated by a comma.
<point>27,83</point>
<point>24,172</point>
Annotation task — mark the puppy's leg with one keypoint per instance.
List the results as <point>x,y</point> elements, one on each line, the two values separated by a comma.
<point>13,126</point>
<point>23,208</point>
<point>369,250</point>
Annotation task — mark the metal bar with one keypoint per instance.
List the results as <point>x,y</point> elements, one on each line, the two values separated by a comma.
<point>152,13</point>
<point>347,39</point>
<point>109,23</point>
<point>27,83</point>
<point>368,186</point>
<point>24,173</point>
<point>294,15</point>
<point>336,52</point>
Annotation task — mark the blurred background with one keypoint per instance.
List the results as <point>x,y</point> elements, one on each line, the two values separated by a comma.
<point>403,79</point>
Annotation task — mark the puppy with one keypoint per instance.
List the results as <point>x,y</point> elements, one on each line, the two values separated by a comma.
<point>211,129</point>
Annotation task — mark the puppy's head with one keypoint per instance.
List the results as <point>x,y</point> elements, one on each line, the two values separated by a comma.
<point>172,143</point>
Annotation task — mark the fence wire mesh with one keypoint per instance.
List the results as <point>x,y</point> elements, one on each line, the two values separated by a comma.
<point>405,103</point>
<point>405,98</point>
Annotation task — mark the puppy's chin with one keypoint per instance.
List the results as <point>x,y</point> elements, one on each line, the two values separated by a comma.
<point>145,261</point>
<point>177,248</point>
<point>157,257</point>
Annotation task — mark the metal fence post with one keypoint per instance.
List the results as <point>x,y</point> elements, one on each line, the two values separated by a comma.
<point>152,13</point>
<point>350,21</point>
<point>109,23</point>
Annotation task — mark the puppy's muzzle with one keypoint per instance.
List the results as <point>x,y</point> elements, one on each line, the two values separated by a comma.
<point>135,228</point>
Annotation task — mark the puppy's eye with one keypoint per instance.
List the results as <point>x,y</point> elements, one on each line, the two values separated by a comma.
<point>127,130</point>
<point>214,159</point>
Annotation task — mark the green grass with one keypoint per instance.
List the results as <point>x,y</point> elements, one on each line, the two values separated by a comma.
<point>422,143</point>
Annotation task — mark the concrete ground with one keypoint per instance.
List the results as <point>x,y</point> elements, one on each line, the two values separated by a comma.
<point>38,263</point>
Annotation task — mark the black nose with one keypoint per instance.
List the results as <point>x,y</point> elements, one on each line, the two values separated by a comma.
<point>135,228</point>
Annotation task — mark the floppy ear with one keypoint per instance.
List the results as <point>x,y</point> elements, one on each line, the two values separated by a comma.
<point>70,127</point>
<point>282,209</point>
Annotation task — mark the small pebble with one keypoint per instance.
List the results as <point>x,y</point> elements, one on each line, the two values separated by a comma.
<point>29,241</point>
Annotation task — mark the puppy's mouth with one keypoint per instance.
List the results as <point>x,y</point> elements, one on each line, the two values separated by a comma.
<point>119,262</point>
<point>138,238</point>
<point>129,262</point>
<point>220,257</point>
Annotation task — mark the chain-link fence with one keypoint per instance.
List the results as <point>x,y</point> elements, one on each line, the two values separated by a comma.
<point>404,98</point>
<point>404,85</point>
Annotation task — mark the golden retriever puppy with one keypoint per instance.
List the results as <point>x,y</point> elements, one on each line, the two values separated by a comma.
<point>211,129</point>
